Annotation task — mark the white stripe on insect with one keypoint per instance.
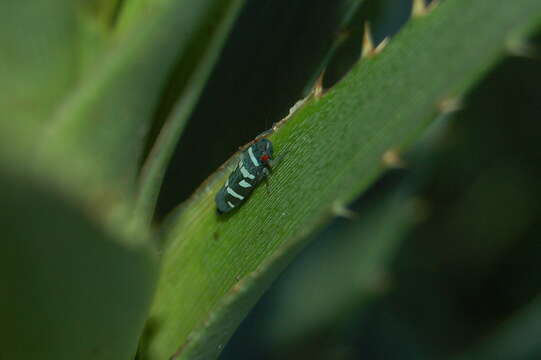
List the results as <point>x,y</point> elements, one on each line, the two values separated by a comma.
<point>246,174</point>
<point>230,204</point>
<point>234,194</point>
<point>252,157</point>
<point>245,184</point>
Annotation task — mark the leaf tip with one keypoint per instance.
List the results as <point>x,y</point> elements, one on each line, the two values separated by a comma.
<point>449,104</point>
<point>368,47</point>
<point>368,42</point>
<point>340,210</point>
<point>418,8</point>
<point>522,48</point>
<point>392,159</point>
<point>379,48</point>
<point>318,91</point>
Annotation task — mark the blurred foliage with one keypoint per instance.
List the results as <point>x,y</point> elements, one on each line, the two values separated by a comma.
<point>69,289</point>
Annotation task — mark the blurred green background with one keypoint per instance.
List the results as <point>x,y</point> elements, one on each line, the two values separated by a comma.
<point>456,273</point>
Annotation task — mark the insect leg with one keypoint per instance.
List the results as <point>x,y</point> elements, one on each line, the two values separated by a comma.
<point>274,162</point>
<point>266,177</point>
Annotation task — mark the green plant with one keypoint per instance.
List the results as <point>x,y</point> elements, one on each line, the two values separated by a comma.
<point>96,96</point>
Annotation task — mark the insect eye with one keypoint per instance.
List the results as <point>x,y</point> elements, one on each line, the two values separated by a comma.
<point>265,158</point>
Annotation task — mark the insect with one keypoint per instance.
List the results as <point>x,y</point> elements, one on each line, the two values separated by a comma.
<point>254,166</point>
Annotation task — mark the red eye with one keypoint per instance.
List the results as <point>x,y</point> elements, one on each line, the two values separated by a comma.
<point>265,158</point>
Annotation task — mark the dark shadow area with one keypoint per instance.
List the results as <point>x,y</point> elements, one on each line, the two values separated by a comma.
<point>273,52</point>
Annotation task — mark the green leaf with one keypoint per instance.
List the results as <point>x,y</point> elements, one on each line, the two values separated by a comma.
<point>38,60</point>
<point>70,290</point>
<point>99,132</point>
<point>333,149</point>
<point>210,338</point>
